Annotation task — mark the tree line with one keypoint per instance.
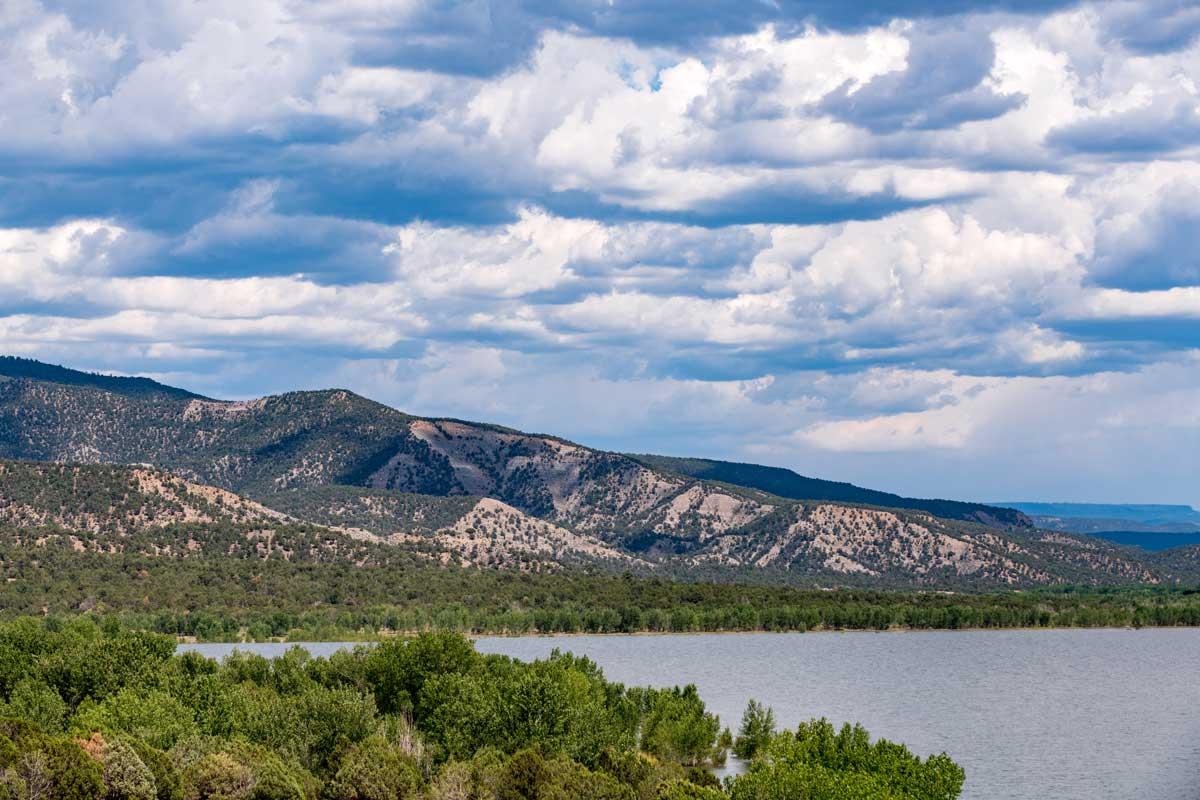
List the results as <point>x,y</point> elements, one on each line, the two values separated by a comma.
<point>227,599</point>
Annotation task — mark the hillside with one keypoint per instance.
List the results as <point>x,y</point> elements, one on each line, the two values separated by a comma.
<point>110,509</point>
<point>786,483</point>
<point>307,440</point>
<point>478,531</point>
<point>870,546</point>
<point>120,500</point>
<point>1183,561</point>
<point>485,495</point>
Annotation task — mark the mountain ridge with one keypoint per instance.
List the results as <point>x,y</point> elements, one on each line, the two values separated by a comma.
<point>361,468</point>
<point>17,367</point>
<point>785,482</point>
<point>779,481</point>
<point>116,509</point>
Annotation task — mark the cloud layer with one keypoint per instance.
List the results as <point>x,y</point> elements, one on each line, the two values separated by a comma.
<point>948,249</point>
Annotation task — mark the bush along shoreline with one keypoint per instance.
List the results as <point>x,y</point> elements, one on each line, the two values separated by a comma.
<point>97,712</point>
<point>724,610</point>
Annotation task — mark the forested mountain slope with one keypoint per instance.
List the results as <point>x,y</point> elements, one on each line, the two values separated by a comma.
<point>117,509</point>
<point>483,494</point>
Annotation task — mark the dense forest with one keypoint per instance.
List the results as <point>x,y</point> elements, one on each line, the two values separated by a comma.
<point>96,712</point>
<point>224,599</point>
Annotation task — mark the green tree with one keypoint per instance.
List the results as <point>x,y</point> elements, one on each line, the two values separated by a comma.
<point>561,704</point>
<point>151,715</point>
<point>93,665</point>
<point>36,702</point>
<point>329,720</point>
<point>676,726</point>
<point>820,763</point>
<point>756,731</point>
<point>398,669</point>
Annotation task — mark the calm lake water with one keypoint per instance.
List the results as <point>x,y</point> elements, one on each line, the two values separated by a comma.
<point>1030,715</point>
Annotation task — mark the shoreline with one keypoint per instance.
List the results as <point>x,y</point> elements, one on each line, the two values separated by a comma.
<point>379,637</point>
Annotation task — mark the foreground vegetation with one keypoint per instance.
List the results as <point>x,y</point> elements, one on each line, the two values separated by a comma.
<point>93,712</point>
<point>237,599</point>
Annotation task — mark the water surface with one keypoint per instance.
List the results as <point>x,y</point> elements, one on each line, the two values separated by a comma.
<point>1030,715</point>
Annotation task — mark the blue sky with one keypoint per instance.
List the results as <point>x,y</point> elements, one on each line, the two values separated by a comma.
<point>945,249</point>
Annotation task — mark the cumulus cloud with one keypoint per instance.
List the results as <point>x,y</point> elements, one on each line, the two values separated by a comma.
<point>1148,226</point>
<point>832,236</point>
<point>942,84</point>
<point>1154,26</point>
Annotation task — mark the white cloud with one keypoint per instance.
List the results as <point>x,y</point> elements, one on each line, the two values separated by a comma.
<point>1115,304</point>
<point>945,427</point>
<point>1036,345</point>
<point>534,253</point>
<point>366,94</point>
<point>937,259</point>
<point>200,183</point>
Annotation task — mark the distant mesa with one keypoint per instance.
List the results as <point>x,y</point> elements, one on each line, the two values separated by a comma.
<point>1150,527</point>
<point>1098,517</point>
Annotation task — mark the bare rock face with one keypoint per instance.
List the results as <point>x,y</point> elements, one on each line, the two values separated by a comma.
<point>493,533</point>
<point>867,541</point>
<point>542,475</point>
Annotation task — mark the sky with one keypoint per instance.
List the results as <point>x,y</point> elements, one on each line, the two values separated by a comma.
<point>946,249</point>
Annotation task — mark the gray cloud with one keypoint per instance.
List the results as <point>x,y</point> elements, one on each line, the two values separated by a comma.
<point>829,235</point>
<point>1153,26</point>
<point>941,86</point>
<point>1140,133</point>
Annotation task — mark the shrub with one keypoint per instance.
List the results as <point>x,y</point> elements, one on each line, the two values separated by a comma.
<point>218,776</point>
<point>685,790</point>
<point>166,777</point>
<point>151,715</point>
<point>232,770</point>
<point>126,776</point>
<point>375,770</point>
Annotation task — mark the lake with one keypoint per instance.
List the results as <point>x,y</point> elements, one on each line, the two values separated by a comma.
<point>1030,715</point>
